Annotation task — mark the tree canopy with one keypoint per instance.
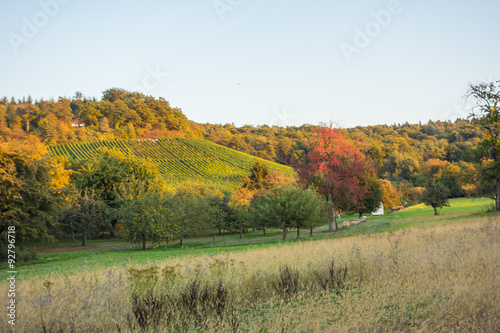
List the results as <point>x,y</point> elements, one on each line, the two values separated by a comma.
<point>487,113</point>
<point>337,170</point>
<point>32,188</point>
<point>286,207</point>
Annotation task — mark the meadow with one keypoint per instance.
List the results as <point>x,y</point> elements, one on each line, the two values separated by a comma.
<point>404,271</point>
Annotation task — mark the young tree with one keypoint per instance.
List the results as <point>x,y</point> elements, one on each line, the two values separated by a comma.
<point>337,169</point>
<point>486,112</point>
<point>144,219</point>
<point>436,196</point>
<point>310,212</point>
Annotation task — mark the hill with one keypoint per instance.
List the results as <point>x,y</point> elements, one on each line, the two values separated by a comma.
<point>179,159</point>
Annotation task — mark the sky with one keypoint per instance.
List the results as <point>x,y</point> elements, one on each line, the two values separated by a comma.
<point>287,63</point>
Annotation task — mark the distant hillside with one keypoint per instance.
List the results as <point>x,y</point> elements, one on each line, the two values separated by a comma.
<point>180,160</point>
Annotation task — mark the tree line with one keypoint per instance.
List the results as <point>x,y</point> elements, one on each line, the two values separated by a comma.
<point>118,114</point>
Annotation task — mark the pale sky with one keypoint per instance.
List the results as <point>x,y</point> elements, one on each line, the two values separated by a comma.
<point>352,62</point>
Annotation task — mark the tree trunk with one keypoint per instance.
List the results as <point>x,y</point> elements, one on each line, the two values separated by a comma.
<point>72,235</point>
<point>253,228</point>
<point>182,237</point>
<point>112,229</point>
<point>435,211</point>
<point>498,195</point>
<point>241,231</point>
<point>220,231</point>
<point>311,233</point>
<point>214,236</point>
<point>360,214</point>
<point>84,238</point>
<point>298,232</point>
<point>332,225</point>
<point>284,233</point>
<point>143,242</point>
<point>264,230</point>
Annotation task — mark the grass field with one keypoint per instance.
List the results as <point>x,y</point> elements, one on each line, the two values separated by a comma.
<point>405,271</point>
<point>180,160</point>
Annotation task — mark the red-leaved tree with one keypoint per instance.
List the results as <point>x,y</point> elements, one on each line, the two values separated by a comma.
<point>337,170</point>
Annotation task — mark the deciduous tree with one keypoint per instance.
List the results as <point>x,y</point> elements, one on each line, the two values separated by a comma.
<point>258,179</point>
<point>31,192</point>
<point>372,199</point>
<point>239,203</point>
<point>436,195</point>
<point>336,169</point>
<point>486,112</point>
<point>85,215</point>
<point>145,219</point>
<point>286,207</point>
<point>390,195</point>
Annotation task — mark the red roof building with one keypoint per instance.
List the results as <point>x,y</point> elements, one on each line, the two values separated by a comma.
<point>77,123</point>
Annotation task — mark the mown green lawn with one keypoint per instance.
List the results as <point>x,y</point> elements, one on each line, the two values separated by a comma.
<point>66,256</point>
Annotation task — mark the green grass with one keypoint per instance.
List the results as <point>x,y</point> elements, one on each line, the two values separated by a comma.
<point>180,160</point>
<point>67,256</point>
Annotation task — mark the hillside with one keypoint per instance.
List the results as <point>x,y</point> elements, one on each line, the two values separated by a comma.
<point>179,159</point>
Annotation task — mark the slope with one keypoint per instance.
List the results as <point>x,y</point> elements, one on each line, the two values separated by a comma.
<point>180,160</point>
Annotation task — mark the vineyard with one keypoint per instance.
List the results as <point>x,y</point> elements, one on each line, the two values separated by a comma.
<point>179,160</point>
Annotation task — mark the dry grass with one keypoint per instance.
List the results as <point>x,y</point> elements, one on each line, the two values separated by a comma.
<point>440,278</point>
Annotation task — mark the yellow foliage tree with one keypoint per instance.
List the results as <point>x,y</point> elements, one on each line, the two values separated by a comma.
<point>390,195</point>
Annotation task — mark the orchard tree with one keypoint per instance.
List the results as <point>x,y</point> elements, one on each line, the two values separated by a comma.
<point>144,219</point>
<point>204,209</point>
<point>239,203</point>
<point>286,207</point>
<point>194,210</point>
<point>436,195</point>
<point>106,172</point>
<point>486,112</point>
<point>86,215</point>
<point>337,170</point>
